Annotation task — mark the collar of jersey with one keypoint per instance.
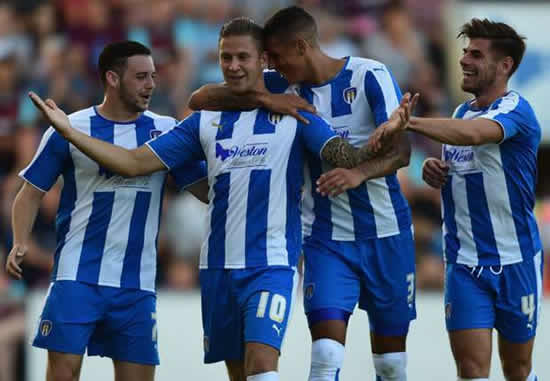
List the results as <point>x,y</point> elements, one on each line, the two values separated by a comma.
<point>333,78</point>
<point>117,122</point>
<point>486,108</point>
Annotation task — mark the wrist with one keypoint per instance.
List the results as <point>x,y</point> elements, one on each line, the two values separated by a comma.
<point>362,173</point>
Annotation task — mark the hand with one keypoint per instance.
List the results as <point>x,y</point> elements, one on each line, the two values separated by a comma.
<point>57,118</point>
<point>16,256</point>
<point>398,121</point>
<point>434,172</point>
<point>339,180</point>
<point>288,104</point>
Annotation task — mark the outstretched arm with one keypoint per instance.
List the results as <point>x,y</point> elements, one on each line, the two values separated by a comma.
<point>218,97</point>
<point>458,132</point>
<point>127,163</point>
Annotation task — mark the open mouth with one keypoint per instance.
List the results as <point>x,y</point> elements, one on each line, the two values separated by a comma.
<point>468,73</point>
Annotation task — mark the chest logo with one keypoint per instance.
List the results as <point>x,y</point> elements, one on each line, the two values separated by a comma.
<point>274,118</point>
<point>350,94</point>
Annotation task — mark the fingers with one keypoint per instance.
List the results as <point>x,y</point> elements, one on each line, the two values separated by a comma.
<point>332,183</point>
<point>413,103</point>
<point>298,116</point>
<point>12,264</point>
<point>434,172</point>
<point>38,102</point>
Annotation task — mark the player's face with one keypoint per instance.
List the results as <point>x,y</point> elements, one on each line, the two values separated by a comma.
<point>137,83</point>
<point>479,66</point>
<point>286,59</point>
<point>241,62</point>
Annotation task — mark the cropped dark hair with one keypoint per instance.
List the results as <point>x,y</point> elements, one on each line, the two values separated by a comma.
<point>505,41</point>
<point>289,22</point>
<point>115,57</point>
<point>243,26</point>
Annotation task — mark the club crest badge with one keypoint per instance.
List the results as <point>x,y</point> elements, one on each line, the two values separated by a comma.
<point>155,133</point>
<point>45,327</point>
<point>350,94</point>
<point>274,118</point>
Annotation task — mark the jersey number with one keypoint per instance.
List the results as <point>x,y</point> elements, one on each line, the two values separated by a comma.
<point>410,287</point>
<point>528,306</point>
<point>277,308</point>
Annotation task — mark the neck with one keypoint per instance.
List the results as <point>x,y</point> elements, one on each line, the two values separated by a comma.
<point>113,109</point>
<point>487,97</point>
<point>323,68</point>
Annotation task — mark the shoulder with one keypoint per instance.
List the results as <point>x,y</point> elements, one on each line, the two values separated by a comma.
<point>81,119</point>
<point>365,65</point>
<point>162,122</point>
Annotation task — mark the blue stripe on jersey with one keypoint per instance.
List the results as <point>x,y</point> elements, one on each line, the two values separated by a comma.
<point>307,94</point>
<point>102,208</point>
<point>94,238</point>
<point>399,202</point>
<point>45,169</point>
<point>144,126</point>
<point>262,125</point>
<point>136,237</point>
<point>321,205</point>
<point>294,181</point>
<point>256,218</point>
<point>216,241</point>
<point>361,210</point>
<point>452,244</point>
<point>482,227</point>
<point>67,203</point>
<point>374,93</point>
<point>396,86</point>
<point>338,86</point>
<point>227,122</point>
<point>526,229</point>
<point>462,110</point>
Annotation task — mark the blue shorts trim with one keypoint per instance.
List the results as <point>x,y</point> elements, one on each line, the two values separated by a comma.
<point>317,316</point>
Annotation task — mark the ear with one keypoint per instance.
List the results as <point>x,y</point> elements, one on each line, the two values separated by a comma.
<point>113,79</point>
<point>301,46</point>
<point>506,64</point>
<point>264,60</point>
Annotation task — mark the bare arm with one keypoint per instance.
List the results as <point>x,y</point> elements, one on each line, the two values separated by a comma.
<point>24,210</point>
<point>127,163</point>
<point>199,190</point>
<point>458,131</point>
<point>339,153</point>
<point>218,97</point>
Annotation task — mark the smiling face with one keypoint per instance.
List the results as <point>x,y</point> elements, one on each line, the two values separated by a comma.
<point>242,63</point>
<point>137,83</point>
<point>479,66</point>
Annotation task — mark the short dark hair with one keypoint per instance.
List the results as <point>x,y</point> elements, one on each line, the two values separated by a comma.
<point>115,57</point>
<point>243,26</point>
<point>505,41</point>
<point>289,22</point>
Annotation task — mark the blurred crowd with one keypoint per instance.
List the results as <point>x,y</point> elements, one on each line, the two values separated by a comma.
<point>52,48</point>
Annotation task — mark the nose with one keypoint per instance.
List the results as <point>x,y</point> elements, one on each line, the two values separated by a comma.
<point>234,64</point>
<point>150,83</point>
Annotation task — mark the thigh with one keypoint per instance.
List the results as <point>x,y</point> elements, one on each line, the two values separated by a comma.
<point>128,332</point>
<point>469,300</point>
<point>388,284</point>
<point>221,318</point>
<point>472,352</point>
<point>266,297</point>
<point>69,318</point>
<point>330,279</point>
<point>129,371</point>
<point>518,300</point>
<point>63,366</point>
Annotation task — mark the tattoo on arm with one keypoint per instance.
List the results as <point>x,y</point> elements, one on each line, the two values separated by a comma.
<point>340,153</point>
<point>397,156</point>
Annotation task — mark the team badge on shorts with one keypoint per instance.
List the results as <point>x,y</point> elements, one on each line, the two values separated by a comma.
<point>448,311</point>
<point>155,133</point>
<point>45,327</point>
<point>274,118</point>
<point>350,94</point>
<point>309,290</point>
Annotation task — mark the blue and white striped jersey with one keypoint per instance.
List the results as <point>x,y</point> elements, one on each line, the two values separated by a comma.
<point>489,197</point>
<point>356,101</point>
<point>255,172</point>
<point>107,226</point>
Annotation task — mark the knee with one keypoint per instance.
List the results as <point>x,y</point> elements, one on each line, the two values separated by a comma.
<point>391,366</point>
<point>472,368</point>
<point>62,372</point>
<point>260,359</point>
<point>516,370</point>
